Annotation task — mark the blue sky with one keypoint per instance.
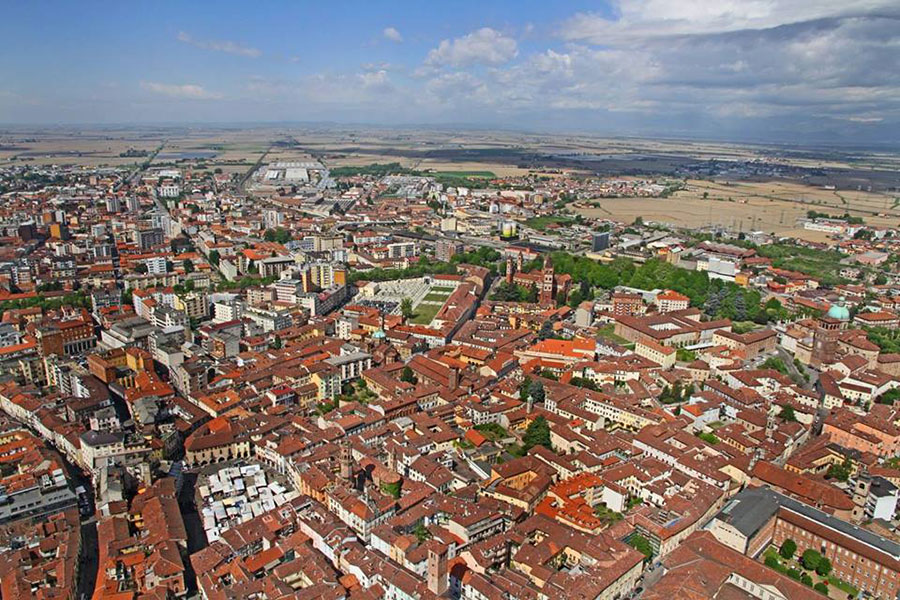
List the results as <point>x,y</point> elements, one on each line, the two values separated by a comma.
<point>787,70</point>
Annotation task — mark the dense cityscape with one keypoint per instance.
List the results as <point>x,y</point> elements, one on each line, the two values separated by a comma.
<point>363,382</point>
<point>416,301</point>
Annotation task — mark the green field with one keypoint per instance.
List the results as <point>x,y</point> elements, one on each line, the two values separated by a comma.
<point>608,332</point>
<point>432,297</point>
<point>541,223</point>
<point>425,313</point>
<point>482,174</point>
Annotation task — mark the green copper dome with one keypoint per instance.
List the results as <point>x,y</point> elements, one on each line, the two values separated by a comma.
<point>839,311</point>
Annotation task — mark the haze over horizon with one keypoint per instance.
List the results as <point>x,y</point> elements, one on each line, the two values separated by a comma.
<point>762,70</point>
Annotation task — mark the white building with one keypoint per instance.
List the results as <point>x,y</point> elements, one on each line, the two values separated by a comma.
<point>169,190</point>
<point>156,265</point>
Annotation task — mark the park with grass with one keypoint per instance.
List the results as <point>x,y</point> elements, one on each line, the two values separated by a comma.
<point>424,312</point>
<point>809,568</point>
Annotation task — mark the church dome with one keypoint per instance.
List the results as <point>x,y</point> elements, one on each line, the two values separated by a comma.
<point>839,311</point>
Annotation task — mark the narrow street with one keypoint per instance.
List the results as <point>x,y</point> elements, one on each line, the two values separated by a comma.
<point>88,564</point>
<point>88,561</point>
<point>192,525</point>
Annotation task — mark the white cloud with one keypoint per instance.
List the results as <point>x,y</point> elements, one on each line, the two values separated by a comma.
<point>392,34</point>
<point>226,46</point>
<point>375,81</point>
<point>185,91</point>
<point>637,19</point>
<point>485,46</point>
<point>752,68</point>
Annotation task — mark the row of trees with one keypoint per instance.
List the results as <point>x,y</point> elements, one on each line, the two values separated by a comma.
<point>717,298</point>
<point>887,340</point>
<point>424,266</point>
<point>77,299</point>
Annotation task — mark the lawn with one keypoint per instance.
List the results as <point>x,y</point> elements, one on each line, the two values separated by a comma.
<point>793,568</point>
<point>743,326</point>
<point>434,296</point>
<point>425,313</point>
<point>541,223</point>
<point>608,332</point>
<point>842,585</point>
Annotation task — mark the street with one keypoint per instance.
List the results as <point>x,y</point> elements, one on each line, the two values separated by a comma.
<point>88,561</point>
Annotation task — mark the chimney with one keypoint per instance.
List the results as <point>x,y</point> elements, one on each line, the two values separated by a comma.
<point>437,572</point>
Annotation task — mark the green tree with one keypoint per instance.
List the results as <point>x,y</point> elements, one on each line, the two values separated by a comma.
<point>788,548</point>
<point>408,376</point>
<point>640,543</point>
<point>280,235</point>
<point>775,310</point>
<point>824,567</point>
<point>583,382</point>
<point>546,330</point>
<point>805,579</point>
<point>537,434</point>
<point>421,532</point>
<point>575,298</point>
<point>537,392</point>
<point>842,471</point>
<point>889,397</point>
<point>880,279</point>
<point>188,265</point>
<point>524,389</point>
<point>277,343</point>
<point>406,308</point>
<point>787,413</point>
<point>810,559</point>
<point>821,587</point>
<point>214,257</point>
<point>773,362</point>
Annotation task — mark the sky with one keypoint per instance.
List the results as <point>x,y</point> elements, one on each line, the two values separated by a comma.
<point>795,71</point>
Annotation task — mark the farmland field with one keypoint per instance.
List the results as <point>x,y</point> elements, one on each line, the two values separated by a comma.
<point>773,207</point>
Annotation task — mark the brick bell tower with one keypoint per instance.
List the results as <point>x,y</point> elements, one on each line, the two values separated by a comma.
<point>548,283</point>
